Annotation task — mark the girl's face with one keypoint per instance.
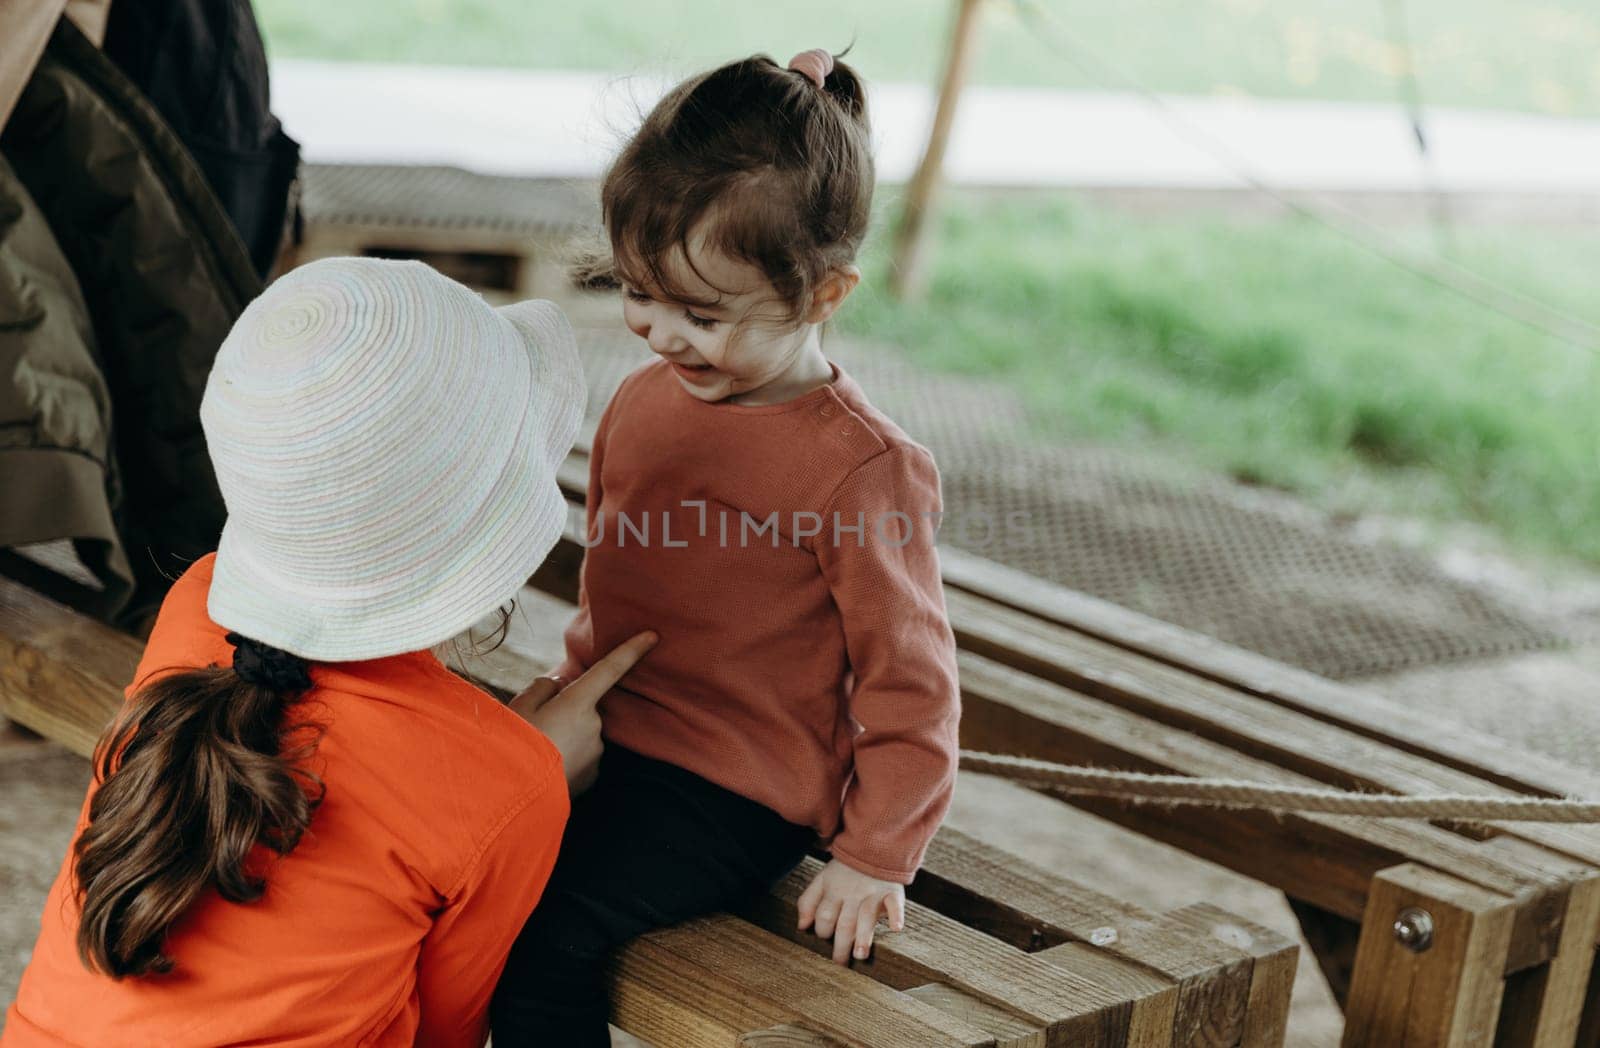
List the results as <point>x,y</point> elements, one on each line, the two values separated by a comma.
<point>734,340</point>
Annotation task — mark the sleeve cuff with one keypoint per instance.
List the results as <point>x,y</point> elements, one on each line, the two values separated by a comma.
<point>899,875</point>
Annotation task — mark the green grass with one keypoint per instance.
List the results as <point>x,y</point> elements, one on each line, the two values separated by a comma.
<point>1277,352</point>
<point>1536,56</point>
<point>1273,350</point>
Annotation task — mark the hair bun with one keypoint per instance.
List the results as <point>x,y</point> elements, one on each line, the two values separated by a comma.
<point>816,64</point>
<point>268,667</point>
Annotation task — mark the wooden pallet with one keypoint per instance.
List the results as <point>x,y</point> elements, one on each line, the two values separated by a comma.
<point>507,237</point>
<point>994,951</point>
<point>1514,909</point>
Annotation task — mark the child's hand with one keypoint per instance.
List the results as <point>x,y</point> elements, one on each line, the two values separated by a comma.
<point>844,903</point>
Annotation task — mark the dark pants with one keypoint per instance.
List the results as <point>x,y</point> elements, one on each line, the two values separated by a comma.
<point>648,846</point>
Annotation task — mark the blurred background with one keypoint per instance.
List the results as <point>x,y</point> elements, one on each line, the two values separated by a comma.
<point>1127,282</point>
<point>1276,321</point>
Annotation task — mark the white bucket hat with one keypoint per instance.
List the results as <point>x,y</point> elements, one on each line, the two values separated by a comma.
<point>386,443</point>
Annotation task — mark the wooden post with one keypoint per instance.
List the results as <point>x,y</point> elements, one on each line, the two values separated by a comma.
<point>1430,967</point>
<point>1543,1006</point>
<point>907,277</point>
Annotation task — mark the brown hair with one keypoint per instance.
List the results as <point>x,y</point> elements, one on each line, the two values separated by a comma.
<point>193,775</point>
<point>782,168</point>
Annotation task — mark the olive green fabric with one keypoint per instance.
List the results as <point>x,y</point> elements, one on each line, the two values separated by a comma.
<point>57,472</point>
<point>163,275</point>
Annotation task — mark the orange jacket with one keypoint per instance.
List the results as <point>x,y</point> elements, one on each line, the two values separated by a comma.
<point>387,925</point>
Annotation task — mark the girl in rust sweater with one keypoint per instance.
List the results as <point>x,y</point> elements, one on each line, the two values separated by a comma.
<point>747,501</point>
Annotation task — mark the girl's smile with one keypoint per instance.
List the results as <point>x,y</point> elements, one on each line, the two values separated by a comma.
<point>692,372</point>
<point>728,337</point>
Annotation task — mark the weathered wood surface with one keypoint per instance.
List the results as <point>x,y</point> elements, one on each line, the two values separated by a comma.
<point>1079,998</point>
<point>1448,994</point>
<point>61,673</point>
<point>1035,909</point>
<point>1244,671</point>
<point>943,980</point>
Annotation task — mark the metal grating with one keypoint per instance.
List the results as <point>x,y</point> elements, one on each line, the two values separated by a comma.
<point>1254,570</point>
<point>445,198</point>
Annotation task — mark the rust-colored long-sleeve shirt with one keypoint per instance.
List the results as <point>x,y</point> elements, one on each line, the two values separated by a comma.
<point>391,920</point>
<point>785,555</point>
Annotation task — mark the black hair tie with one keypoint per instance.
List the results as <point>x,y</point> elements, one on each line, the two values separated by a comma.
<point>268,667</point>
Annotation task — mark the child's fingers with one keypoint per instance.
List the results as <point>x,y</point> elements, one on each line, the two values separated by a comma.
<point>807,905</point>
<point>827,915</point>
<point>845,936</point>
<point>866,923</point>
<point>895,904</point>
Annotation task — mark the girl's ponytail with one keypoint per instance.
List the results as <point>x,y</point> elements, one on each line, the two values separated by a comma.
<point>844,86</point>
<point>193,775</point>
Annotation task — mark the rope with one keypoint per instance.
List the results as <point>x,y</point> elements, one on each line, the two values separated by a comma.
<point>1411,86</point>
<point>1238,793</point>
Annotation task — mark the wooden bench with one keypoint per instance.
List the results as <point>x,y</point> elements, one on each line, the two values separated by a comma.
<point>1429,934</point>
<point>994,952</point>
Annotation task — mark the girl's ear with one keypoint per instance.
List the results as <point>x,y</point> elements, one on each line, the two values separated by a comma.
<point>831,293</point>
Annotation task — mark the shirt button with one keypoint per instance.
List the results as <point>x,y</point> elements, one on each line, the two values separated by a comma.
<point>827,409</point>
<point>848,428</point>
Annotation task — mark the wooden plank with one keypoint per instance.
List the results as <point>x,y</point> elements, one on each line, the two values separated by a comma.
<point>1475,753</point>
<point>1034,909</point>
<point>1446,995</point>
<point>1589,1026</point>
<point>1326,859</point>
<point>655,996</point>
<point>1325,752</point>
<point>1543,1006</point>
<point>765,971</point>
<point>1274,959</point>
<point>1007,1030</point>
<point>1079,998</point>
<point>61,673</point>
<point>27,617</point>
<point>787,1035</point>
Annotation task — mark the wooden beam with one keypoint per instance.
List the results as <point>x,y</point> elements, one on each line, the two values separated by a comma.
<point>658,998</point>
<point>1444,989</point>
<point>62,674</point>
<point>1356,709</point>
<point>755,966</point>
<point>1078,998</point>
<point>1328,860</point>
<point>1035,909</point>
<point>1007,1030</point>
<point>907,276</point>
<point>1328,753</point>
<point>1543,1006</point>
<point>1274,959</point>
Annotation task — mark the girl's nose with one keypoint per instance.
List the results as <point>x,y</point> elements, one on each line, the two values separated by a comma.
<point>658,338</point>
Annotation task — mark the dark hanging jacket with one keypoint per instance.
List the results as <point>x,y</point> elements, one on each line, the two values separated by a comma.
<point>120,274</point>
<point>201,63</point>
